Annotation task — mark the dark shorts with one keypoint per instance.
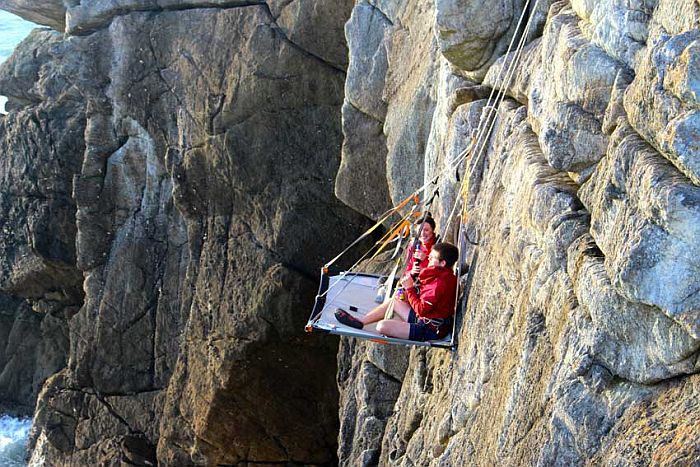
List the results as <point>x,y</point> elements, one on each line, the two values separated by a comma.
<point>422,330</point>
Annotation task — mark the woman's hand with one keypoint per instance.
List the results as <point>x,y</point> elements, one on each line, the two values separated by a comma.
<point>419,255</point>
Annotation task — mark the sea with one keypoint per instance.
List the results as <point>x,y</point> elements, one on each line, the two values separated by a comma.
<point>12,30</point>
<point>13,431</point>
<point>13,441</point>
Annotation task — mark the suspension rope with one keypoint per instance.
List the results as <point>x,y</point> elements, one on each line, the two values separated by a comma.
<point>365,255</point>
<point>479,142</point>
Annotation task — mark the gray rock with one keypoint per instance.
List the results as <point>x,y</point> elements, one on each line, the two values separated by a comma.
<point>619,27</point>
<point>513,73</point>
<point>402,100</point>
<point>562,357</point>
<point>50,13</point>
<point>633,341</point>
<point>454,126</point>
<point>672,413</point>
<point>33,346</point>
<point>410,94</point>
<point>315,26</point>
<point>615,114</point>
<point>662,102</point>
<point>87,16</point>
<point>40,148</point>
<point>391,9</point>
<point>470,37</point>
<point>366,32</point>
<point>673,16</point>
<point>644,217</point>
<point>200,161</point>
<point>368,393</point>
<point>584,72</point>
<point>569,95</point>
<point>361,181</point>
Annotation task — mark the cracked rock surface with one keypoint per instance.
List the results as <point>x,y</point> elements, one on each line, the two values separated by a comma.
<point>186,153</point>
<point>577,340</point>
<point>41,150</point>
<point>174,175</point>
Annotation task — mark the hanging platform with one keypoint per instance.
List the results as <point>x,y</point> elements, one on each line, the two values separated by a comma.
<point>355,293</point>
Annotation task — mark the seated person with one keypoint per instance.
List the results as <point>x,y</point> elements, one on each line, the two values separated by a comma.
<point>423,316</point>
<point>427,239</point>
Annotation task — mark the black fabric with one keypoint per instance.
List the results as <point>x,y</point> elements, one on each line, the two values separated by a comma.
<point>426,330</point>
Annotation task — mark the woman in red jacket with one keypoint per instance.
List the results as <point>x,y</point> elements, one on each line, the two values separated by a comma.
<point>427,240</point>
<point>424,315</point>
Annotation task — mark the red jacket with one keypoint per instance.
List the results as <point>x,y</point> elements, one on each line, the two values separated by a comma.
<point>425,248</point>
<point>438,292</point>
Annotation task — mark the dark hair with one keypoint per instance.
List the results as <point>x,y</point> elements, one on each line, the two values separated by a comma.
<point>448,252</point>
<point>428,220</point>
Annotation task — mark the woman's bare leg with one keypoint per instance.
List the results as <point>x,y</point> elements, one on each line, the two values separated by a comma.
<point>375,314</point>
<point>402,309</point>
<point>398,326</point>
<point>394,328</point>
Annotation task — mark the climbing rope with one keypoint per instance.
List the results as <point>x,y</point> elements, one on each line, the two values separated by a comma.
<point>477,146</point>
<point>479,141</point>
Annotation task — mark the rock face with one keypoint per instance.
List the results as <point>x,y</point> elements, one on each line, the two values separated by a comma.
<point>578,334</point>
<point>41,148</point>
<point>191,149</point>
<point>171,170</point>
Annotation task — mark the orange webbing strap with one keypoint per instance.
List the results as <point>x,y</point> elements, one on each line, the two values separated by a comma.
<point>402,230</point>
<point>412,196</point>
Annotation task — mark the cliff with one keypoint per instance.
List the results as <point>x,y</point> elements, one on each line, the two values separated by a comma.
<point>578,337</point>
<point>176,172</point>
<point>193,149</point>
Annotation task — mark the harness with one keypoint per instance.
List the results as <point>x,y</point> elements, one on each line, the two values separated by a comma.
<point>437,325</point>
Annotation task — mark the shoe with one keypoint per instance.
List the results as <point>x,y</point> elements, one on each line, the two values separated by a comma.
<point>347,319</point>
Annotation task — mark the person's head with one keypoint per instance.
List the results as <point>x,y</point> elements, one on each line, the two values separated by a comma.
<point>428,233</point>
<point>443,255</point>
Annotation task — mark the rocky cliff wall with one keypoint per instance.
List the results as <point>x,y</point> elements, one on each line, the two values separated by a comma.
<point>175,164</point>
<point>40,286</point>
<point>577,340</point>
<point>174,140</point>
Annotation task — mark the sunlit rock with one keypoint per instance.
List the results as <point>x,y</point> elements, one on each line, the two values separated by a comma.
<point>645,217</point>
<point>662,101</point>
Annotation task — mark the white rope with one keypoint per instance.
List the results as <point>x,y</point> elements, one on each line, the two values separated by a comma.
<point>351,269</point>
<point>482,136</point>
<point>479,143</point>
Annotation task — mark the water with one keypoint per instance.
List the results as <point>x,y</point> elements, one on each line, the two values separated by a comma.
<point>12,30</point>
<point>13,441</point>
